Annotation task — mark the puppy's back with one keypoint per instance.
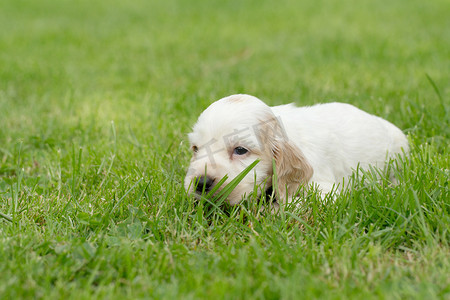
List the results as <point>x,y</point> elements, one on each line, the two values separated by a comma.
<point>337,137</point>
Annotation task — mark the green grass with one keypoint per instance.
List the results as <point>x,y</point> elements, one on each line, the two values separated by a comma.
<point>96,99</point>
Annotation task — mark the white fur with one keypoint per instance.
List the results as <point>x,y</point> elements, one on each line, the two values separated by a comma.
<point>321,144</point>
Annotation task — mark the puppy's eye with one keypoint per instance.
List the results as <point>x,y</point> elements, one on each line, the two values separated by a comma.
<point>195,148</point>
<point>240,151</point>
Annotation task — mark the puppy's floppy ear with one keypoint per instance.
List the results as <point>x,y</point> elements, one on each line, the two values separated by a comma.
<point>292,168</point>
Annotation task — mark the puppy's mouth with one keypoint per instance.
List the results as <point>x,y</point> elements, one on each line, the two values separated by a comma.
<point>199,195</point>
<point>207,189</point>
<point>270,195</point>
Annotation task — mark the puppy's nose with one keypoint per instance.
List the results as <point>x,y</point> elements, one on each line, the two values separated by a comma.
<point>204,183</point>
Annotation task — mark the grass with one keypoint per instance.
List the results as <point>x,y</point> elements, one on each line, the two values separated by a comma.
<point>96,99</point>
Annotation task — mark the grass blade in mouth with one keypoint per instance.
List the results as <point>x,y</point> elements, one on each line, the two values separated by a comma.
<point>226,191</point>
<point>222,195</point>
<point>217,200</point>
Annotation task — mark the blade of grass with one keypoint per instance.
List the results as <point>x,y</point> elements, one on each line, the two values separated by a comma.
<point>6,217</point>
<point>226,191</point>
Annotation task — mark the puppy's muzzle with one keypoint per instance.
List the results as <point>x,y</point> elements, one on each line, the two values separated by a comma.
<point>204,183</point>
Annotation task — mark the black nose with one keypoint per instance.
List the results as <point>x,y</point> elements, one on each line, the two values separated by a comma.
<point>204,183</point>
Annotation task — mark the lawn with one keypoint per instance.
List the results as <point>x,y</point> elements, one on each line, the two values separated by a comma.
<point>97,98</point>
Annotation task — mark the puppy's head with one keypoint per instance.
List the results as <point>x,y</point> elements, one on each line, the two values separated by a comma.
<point>231,134</point>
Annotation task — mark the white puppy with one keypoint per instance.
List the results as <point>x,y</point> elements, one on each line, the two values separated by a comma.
<point>320,144</point>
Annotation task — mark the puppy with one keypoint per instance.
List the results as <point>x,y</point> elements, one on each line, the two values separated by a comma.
<point>321,144</point>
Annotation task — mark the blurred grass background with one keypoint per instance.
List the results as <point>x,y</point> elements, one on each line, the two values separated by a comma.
<point>70,64</point>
